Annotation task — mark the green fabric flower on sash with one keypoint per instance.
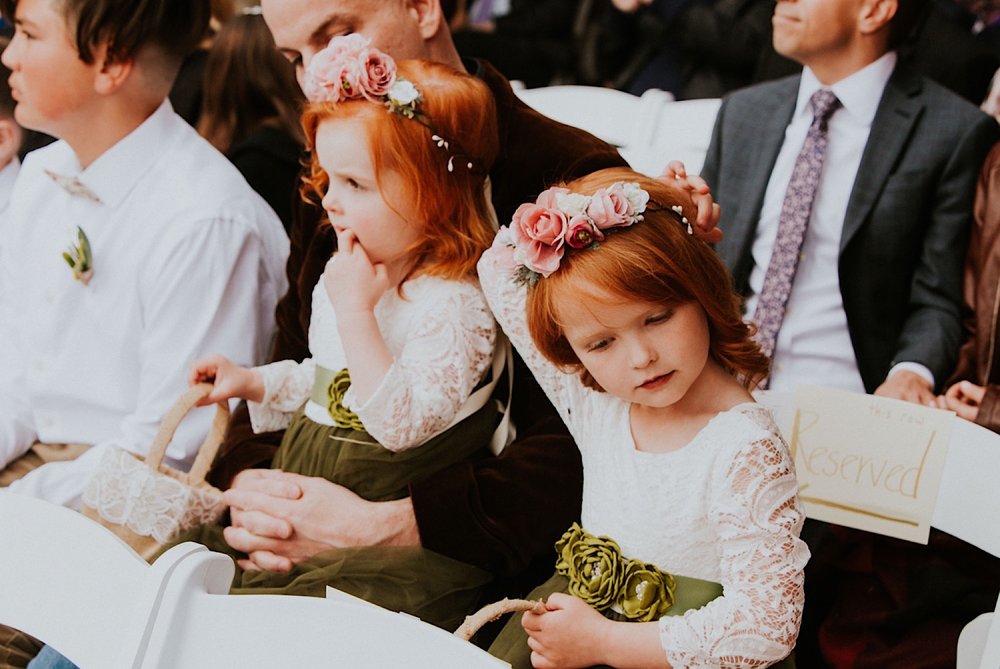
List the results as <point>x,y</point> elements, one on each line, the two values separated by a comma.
<point>599,575</point>
<point>647,593</point>
<point>341,415</point>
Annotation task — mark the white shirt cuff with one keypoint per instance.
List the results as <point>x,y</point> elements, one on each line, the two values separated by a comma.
<point>914,367</point>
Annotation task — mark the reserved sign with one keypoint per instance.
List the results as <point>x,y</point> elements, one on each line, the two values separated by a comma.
<point>868,462</point>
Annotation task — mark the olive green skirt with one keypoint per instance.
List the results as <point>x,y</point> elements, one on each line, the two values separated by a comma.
<point>435,588</point>
<point>512,643</point>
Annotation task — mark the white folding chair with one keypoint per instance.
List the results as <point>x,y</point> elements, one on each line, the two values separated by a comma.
<point>621,119</point>
<point>682,130</point>
<point>72,583</point>
<point>967,507</point>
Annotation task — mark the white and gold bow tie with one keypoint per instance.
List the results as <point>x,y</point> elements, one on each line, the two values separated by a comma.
<point>73,186</point>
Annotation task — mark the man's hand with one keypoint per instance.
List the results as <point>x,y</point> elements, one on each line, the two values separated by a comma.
<point>909,386</point>
<point>281,519</point>
<point>695,189</point>
<point>964,398</point>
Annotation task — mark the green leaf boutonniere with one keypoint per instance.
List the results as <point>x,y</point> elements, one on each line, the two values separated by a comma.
<point>79,257</point>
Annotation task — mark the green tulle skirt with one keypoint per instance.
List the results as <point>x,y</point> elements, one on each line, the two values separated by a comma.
<point>431,586</point>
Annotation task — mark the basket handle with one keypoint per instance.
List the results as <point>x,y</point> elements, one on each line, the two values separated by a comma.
<point>208,448</point>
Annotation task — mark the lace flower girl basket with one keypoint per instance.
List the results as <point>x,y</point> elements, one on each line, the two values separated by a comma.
<point>145,502</point>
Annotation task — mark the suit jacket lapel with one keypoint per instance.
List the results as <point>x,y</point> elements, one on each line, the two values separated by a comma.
<point>894,120</point>
<point>763,138</point>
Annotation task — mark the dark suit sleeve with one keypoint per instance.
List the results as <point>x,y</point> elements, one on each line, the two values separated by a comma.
<point>932,332</point>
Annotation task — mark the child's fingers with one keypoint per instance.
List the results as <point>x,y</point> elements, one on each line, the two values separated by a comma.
<point>674,170</point>
<point>973,392</point>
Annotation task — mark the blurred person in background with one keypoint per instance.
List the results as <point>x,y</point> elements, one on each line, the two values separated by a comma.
<point>527,40</point>
<point>250,109</point>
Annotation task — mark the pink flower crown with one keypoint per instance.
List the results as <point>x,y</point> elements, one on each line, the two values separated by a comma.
<point>540,232</point>
<point>348,68</point>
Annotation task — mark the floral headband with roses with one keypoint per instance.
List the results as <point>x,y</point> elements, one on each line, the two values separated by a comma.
<point>540,233</point>
<point>348,68</point>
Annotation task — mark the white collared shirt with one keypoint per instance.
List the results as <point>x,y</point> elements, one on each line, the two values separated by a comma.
<point>814,344</point>
<point>187,261</point>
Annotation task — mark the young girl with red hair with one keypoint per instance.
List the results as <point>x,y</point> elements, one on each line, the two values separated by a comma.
<point>401,336</point>
<point>690,503</point>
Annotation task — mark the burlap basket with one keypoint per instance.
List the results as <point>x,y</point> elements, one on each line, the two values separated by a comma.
<point>145,502</point>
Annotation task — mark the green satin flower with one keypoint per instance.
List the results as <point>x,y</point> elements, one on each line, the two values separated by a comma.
<point>647,593</point>
<point>341,415</point>
<point>593,567</point>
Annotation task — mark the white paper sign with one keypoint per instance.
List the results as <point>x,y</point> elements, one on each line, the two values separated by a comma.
<point>868,462</point>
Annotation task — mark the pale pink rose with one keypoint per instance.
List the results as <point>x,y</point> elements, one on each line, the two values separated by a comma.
<point>581,233</point>
<point>335,72</point>
<point>377,74</point>
<point>539,257</point>
<point>537,223</point>
<point>501,253</point>
<point>610,208</point>
<point>547,198</point>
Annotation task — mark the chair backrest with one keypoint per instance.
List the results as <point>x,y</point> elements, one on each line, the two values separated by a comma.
<point>649,131</point>
<point>967,507</point>
<point>72,583</point>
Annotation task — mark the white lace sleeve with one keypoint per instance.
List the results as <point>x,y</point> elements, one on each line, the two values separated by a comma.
<point>756,513</point>
<point>436,371</point>
<point>287,385</point>
<point>507,300</point>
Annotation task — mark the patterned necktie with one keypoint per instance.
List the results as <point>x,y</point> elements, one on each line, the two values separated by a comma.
<point>792,224</point>
<point>73,186</point>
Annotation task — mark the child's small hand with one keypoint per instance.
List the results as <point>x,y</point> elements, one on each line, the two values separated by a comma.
<point>964,399</point>
<point>352,281</point>
<point>569,634</point>
<point>230,379</point>
<point>708,212</point>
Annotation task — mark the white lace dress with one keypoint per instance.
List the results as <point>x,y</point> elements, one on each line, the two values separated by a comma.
<point>441,335</point>
<point>724,508</point>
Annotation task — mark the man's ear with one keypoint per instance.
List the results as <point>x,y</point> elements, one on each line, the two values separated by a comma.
<point>876,15</point>
<point>430,18</point>
<point>112,73</point>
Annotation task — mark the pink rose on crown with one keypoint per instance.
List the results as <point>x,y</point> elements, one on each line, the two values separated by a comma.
<point>611,208</point>
<point>548,198</point>
<point>539,234</point>
<point>581,233</point>
<point>538,257</point>
<point>377,75</point>
<point>347,68</point>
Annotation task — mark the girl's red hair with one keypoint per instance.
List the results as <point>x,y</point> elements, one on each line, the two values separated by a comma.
<point>655,260</point>
<point>449,208</point>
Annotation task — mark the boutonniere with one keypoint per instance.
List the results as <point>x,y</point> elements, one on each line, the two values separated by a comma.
<point>79,257</point>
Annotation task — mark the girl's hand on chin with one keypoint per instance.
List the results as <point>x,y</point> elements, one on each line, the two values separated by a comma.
<point>353,282</point>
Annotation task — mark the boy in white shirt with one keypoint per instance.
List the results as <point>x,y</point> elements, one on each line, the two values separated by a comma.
<point>181,256</point>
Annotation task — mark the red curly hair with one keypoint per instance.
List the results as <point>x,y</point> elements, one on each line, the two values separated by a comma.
<point>449,208</point>
<point>655,260</point>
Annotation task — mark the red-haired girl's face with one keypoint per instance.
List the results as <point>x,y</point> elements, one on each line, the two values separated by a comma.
<point>354,199</point>
<point>646,353</point>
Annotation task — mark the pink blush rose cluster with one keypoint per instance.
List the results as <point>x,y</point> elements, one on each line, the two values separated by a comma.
<point>541,231</point>
<point>348,68</point>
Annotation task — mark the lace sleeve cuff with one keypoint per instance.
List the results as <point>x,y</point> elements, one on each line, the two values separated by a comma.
<point>287,385</point>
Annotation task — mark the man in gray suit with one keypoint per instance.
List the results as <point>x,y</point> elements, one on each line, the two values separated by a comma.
<point>846,195</point>
<point>873,304</point>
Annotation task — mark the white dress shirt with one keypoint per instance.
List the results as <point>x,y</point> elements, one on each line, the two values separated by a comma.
<point>187,260</point>
<point>814,344</point>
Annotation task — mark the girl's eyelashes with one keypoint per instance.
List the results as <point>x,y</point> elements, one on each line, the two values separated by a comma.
<point>660,317</point>
<point>599,345</point>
